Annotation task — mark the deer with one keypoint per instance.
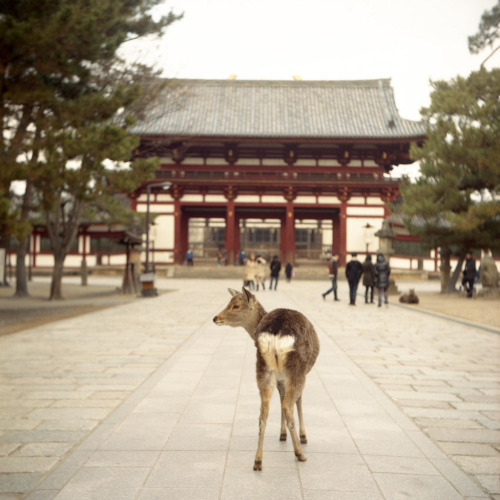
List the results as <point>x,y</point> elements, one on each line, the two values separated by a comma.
<point>287,348</point>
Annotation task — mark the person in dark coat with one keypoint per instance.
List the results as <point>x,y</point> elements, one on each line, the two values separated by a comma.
<point>368,278</point>
<point>332,274</point>
<point>469,274</point>
<point>353,272</point>
<point>382,273</point>
<point>275,267</point>
<point>288,271</point>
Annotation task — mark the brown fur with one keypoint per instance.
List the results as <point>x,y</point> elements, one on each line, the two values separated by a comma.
<point>287,348</point>
<point>409,298</point>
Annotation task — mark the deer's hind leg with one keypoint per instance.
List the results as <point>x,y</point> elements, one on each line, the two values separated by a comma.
<point>293,392</point>
<point>266,382</point>
<point>302,428</point>
<point>281,389</point>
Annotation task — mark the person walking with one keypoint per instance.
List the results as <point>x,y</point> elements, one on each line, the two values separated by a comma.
<point>368,278</point>
<point>250,272</point>
<point>189,257</point>
<point>288,271</point>
<point>469,274</point>
<point>260,275</point>
<point>353,272</point>
<point>332,274</point>
<point>382,273</point>
<point>275,267</point>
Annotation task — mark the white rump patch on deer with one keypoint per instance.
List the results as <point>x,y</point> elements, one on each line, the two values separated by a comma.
<point>274,349</point>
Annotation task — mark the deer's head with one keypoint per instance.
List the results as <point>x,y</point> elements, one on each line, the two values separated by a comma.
<point>241,310</point>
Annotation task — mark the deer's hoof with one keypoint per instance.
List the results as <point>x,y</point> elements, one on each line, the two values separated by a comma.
<point>283,437</point>
<point>301,457</point>
<point>257,465</point>
<point>303,439</point>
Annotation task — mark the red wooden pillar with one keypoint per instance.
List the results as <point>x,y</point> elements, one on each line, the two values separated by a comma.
<point>177,232</point>
<point>288,249</point>
<point>230,192</point>
<point>336,234</point>
<point>230,232</point>
<point>184,236</point>
<point>237,238</point>
<point>343,233</point>
<point>176,193</point>
<point>343,195</point>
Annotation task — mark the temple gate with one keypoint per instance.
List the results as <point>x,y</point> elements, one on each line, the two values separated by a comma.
<point>299,160</point>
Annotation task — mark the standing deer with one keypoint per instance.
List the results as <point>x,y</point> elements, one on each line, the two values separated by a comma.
<point>287,347</point>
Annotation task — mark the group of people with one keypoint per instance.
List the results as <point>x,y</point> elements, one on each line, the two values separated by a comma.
<point>255,272</point>
<point>374,276</point>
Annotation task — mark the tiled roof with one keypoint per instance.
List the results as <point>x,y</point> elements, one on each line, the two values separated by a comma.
<point>278,109</point>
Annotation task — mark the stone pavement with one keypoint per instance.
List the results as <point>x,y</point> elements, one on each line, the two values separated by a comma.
<point>150,400</point>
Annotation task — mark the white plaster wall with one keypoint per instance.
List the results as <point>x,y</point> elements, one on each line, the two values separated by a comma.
<point>305,199</point>
<point>329,200</point>
<point>356,200</point>
<point>273,199</point>
<point>164,231</point>
<point>366,211</point>
<point>192,197</point>
<point>356,235</point>
<point>248,198</point>
<point>215,198</point>
<point>164,257</point>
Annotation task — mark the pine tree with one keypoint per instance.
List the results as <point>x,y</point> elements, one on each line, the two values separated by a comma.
<point>66,100</point>
<point>456,200</point>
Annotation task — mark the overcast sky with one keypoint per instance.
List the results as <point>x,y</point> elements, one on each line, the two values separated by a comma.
<point>409,41</point>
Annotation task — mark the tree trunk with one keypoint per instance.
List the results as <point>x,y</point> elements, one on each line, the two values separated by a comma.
<point>57,275</point>
<point>445,267</point>
<point>21,282</point>
<point>450,287</point>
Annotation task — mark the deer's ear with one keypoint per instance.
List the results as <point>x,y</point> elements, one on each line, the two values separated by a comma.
<point>248,295</point>
<point>232,292</point>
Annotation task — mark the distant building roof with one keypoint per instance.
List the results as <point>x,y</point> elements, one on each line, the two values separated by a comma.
<point>278,109</point>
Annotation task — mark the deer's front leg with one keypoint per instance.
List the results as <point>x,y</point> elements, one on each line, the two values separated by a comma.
<point>265,382</point>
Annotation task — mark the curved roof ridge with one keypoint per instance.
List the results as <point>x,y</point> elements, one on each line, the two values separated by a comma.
<point>326,109</point>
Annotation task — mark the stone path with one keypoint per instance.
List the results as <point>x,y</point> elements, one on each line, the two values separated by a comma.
<point>151,400</point>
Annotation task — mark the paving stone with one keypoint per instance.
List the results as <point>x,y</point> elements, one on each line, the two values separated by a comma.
<point>491,483</point>
<point>473,449</point>
<point>139,458</point>
<point>198,403</point>
<point>464,435</point>
<point>27,464</point>
<point>44,450</point>
<point>272,483</point>
<point>199,469</point>
<point>448,422</point>
<point>402,465</point>
<point>416,486</point>
<point>341,495</point>
<point>324,471</point>
<point>69,414</point>
<point>104,482</point>
<point>179,494</point>
<point>17,482</point>
<point>42,436</point>
<point>479,465</point>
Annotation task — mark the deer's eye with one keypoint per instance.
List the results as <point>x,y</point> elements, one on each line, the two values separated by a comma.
<point>236,307</point>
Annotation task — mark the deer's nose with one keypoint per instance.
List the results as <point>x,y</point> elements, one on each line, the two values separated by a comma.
<point>215,319</point>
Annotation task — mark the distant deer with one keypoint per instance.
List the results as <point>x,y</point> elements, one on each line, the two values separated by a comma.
<point>287,347</point>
